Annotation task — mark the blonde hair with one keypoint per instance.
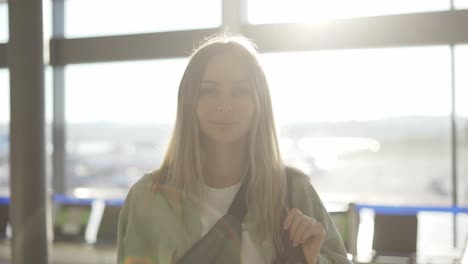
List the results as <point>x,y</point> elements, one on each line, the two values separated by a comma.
<point>181,168</point>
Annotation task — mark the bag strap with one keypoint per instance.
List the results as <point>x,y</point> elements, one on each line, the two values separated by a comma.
<point>209,247</point>
<point>238,207</point>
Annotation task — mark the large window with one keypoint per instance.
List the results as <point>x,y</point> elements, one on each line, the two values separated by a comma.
<point>4,131</point>
<point>117,17</point>
<point>377,120</point>
<point>3,22</point>
<point>266,11</point>
<point>119,118</point>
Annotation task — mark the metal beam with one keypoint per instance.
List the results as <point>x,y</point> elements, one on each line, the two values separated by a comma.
<point>29,207</point>
<point>454,142</point>
<point>234,15</point>
<point>128,47</point>
<point>438,28</point>
<point>59,176</point>
<point>3,63</point>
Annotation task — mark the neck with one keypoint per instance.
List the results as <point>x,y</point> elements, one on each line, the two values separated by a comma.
<point>224,164</point>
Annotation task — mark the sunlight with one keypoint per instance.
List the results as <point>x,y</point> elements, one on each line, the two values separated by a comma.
<point>3,22</point>
<point>123,92</point>
<point>360,85</point>
<point>461,64</point>
<point>138,16</point>
<point>320,11</point>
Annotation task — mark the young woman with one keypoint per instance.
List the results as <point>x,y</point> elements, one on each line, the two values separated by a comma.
<point>224,139</point>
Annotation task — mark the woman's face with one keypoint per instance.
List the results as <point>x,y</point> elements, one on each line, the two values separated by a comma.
<point>225,106</point>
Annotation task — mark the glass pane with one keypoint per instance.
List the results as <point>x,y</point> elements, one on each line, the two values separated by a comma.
<point>3,22</point>
<point>461,60</point>
<point>4,131</point>
<point>119,117</point>
<point>368,126</point>
<point>116,17</point>
<point>266,11</point>
<point>461,4</point>
<point>432,239</point>
<point>5,122</point>
<point>462,231</point>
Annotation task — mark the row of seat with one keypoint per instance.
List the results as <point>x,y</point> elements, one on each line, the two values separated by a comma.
<point>394,235</point>
<point>92,221</point>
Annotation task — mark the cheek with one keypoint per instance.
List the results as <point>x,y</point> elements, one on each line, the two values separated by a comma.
<point>248,114</point>
<point>248,109</point>
<point>203,111</point>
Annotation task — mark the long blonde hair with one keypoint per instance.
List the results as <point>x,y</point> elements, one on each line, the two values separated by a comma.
<point>182,166</point>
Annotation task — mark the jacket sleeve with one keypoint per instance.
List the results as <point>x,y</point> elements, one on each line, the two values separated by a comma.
<point>306,199</point>
<point>122,227</point>
<point>136,241</point>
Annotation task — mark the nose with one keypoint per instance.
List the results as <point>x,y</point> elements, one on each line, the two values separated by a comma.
<point>225,102</point>
<point>224,108</point>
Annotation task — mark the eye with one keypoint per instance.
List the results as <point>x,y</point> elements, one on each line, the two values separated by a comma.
<point>241,90</point>
<point>207,90</point>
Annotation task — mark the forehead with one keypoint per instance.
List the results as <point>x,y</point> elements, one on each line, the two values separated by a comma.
<point>224,67</point>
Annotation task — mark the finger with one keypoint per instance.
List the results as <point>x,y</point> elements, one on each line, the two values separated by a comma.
<point>315,230</point>
<point>302,226</point>
<point>310,221</point>
<point>295,223</point>
<point>306,234</point>
<point>290,216</point>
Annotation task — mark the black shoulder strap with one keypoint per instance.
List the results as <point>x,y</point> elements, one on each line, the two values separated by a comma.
<point>228,228</point>
<point>210,246</point>
<point>238,207</point>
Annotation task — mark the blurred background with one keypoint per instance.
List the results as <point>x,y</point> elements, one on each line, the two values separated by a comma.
<point>370,99</point>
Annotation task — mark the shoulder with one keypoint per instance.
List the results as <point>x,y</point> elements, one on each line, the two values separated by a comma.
<point>144,191</point>
<point>145,183</point>
<point>304,195</point>
<point>295,173</point>
<point>141,189</point>
<point>297,178</point>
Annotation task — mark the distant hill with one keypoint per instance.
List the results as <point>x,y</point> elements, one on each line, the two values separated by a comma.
<point>418,129</point>
<point>392,130</point>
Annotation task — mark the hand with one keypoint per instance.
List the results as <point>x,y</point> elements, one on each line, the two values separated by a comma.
<point>305,231</point>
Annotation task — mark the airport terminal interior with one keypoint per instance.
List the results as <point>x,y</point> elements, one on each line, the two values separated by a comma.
<point>370,100</point>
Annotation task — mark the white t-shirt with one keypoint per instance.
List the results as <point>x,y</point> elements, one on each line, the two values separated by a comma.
<point>216,204</point>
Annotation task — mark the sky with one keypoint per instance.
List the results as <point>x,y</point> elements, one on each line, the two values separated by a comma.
<point>305,86</point>
<point>339,85</point>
